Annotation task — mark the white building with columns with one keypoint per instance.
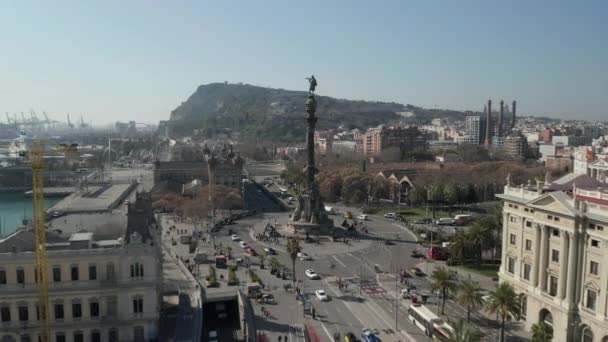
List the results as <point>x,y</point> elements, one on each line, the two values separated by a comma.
<point>555,253</point>
<point>104,276</point>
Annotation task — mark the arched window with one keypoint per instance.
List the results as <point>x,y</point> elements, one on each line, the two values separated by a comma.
<point>546,317</point>
<point>586,334</point>
<point>524,307</point>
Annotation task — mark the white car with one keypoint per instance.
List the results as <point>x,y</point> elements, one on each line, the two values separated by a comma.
<point>304,256</point>
<point>213,336</point>
<point>390,215</point>
<point>235,237</point>
<point>362,217</point>
<point>321,295</point>
<point>243,244</point>
<point>311,274</point>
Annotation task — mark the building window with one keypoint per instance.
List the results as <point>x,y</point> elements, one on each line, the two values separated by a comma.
<point>527,269</point>
<point>78,336</point>
<point>56,274</point>
<point>94,309</point>
<point>511,265</point>
<point>553,285</point>
<point>595,243</point>
<point>550,217</point>
<point>556,219</point>
<point>58,311</point>
<point>20,276</point>
<point>138,305</point>
<point>60,337</point>
<point>594,268</point>
<point>137,270</point>
<point>591,299</point>
<point>5,313</point>
<point>74,272</point>
<point>554,255</point>
<point>92,272</point>
<point>528,224</point>
<point>138,334</point>
<point>591,226</point>
<point>600,227</point>
<point>23,314</point>
<point>2,277</point>
<point>512,219</point>
<point>25,338</point>
<point>528,244</point>
<point>512,239</point>
<point>555,232</point>
<point>113,336</point>
<point>76,310</point>
<point>95,336</point>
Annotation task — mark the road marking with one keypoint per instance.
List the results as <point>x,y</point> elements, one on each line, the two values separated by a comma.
<point>339,262</point>
<point>326,331</point>
<point>403,332</point>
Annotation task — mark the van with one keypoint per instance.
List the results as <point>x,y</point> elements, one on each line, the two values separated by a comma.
<point>390,215</point>
<point>362,217</point>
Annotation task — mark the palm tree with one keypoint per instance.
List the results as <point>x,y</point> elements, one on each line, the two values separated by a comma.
<point>464,332</point>
<point>479,237</point>
<point>468,294</point>
<point>541,332</point>
<point>505,302</point>
<point>460,242</point>
<point>293,248</point>
<point>444,280</point>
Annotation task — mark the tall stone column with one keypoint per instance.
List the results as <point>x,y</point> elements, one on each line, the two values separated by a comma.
<point>537,243</point>
<point>572,256</point>
<point>565,253</point>
<point>544,249</point>
<point>311,107</point>
<point>583,242</point>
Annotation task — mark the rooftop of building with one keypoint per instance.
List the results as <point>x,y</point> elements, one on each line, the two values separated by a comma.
<point>84,231</point>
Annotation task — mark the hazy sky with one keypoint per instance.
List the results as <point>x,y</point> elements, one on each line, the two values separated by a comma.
<point>120,60</point>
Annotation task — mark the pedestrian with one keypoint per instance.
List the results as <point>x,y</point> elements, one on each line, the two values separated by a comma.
<point>280,338</point>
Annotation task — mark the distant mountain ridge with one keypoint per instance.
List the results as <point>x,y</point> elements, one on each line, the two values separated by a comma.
<point>277,114</point>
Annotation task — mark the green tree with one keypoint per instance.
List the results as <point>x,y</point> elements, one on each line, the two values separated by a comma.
<point>468,294</point>
<point>464,332</point>
<point>293,248</point>
<point>506,303</point>
<point>434,193</point>
<point>450,194</point>
<point>460,243</point>
<point>541,332</point>
<point>480,237</point>
<point>444,280</point>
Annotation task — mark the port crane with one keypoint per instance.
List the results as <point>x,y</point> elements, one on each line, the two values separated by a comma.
<point>36,156</point>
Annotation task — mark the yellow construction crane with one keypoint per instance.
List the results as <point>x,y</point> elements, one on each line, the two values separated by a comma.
<point>36,156</point>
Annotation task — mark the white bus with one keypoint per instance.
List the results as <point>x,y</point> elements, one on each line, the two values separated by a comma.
<point>423,318</point>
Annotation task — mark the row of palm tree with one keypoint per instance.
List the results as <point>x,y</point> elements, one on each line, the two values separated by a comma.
<point>503,300</point>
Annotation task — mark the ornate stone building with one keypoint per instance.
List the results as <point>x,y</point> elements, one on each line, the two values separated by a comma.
<point>105,277</point>
<point>554,252</point>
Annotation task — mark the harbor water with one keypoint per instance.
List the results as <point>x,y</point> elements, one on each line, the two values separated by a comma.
<point>14,207</point>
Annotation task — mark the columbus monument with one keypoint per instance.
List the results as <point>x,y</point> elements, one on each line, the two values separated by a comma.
<point>310,217</point>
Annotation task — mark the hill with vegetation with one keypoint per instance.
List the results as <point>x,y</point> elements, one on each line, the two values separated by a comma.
<point>277,114</point>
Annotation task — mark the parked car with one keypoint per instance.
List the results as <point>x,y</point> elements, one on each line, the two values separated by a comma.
<point>251,251</point>
<point>213,336</point>
<point>304,256</point>
<point>243,244</point>
<point>235,237</point>
<point>310,273</point>
<point>417,254</point>
<point>390,215</point>
<point>270,251</point>
<point>321,295</point>
<point>362,217</point>
<point>425,220</point>
<point>445,221</point>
